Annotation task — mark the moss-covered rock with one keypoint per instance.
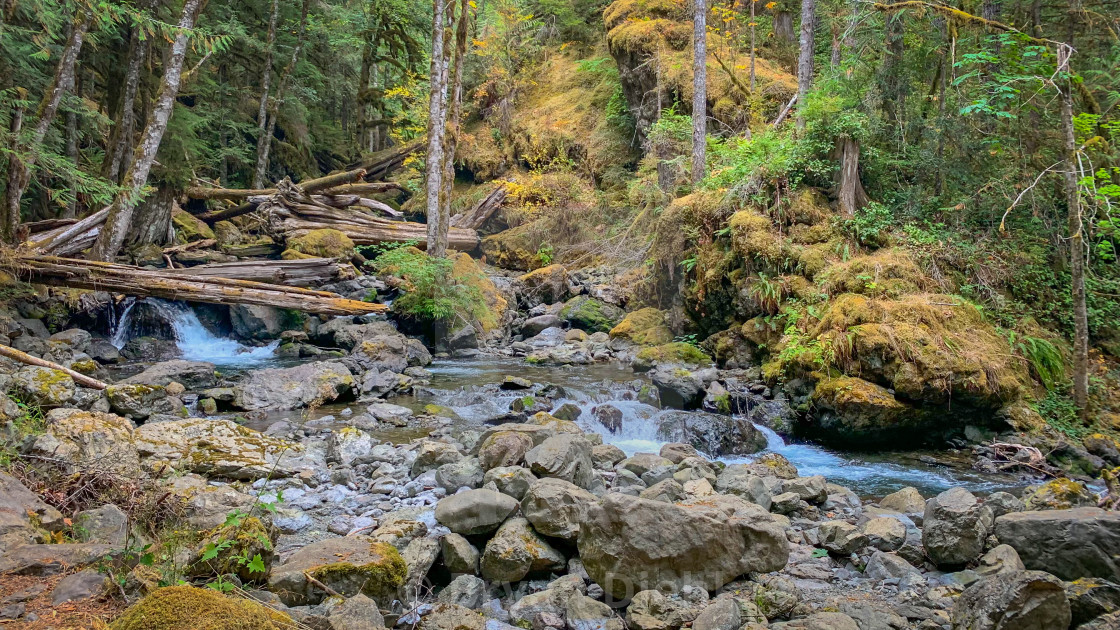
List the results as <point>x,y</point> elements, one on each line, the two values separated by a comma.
<point>587,313</point>
<point>190,228</point>
<point>189,608</point>
<point>854,409</point>
<point>674,352</point>
<point>350,565</point>
<point>42,386</point>
<point>291,254</point>
<point>324,243</point>
<point>546,285</point>
<point>1059,494</point>
<point>515,248</point>
<point>215,447</point>
<point>226,233</point>
<point>887,272</point>
<point>467,271</point>
<point>645,327</point>
<point>79,437</point>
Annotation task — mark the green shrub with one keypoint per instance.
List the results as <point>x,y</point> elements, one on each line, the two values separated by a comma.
<point>430,290</point>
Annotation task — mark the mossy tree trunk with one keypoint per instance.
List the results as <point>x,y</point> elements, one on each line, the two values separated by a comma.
<point>805,58</point>
<point>1076,228</point>
<point>437,121</point>
<point>699,88</point>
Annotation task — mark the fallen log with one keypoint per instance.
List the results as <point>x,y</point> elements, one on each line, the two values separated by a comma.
<point>294,220</point>
<point>477,216</point>
<point>78,377</point>
<point>70,239</point>
<point>293,273</point>
<point>308,186</point>
<point>46,225</point>
<point>368,188</point>
<point>379,165</point>
<point>178,285</point>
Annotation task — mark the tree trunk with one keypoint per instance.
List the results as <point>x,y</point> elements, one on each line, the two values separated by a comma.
<point>783,26</point>
<point>119,218</point>
<point>152,222</point>
<point>891,70</point>
<point>121,139</point>
<point>264,142</point>
<point>22,159</point>
<point>1076,229</point>
<point>266,84</point>
<point>754,27</point>
<point>805,58</point>
<point>852,196</point>
<point>837,46</point>
<point>437,121</point>
<point>699,89</point>
<point>454,113</point>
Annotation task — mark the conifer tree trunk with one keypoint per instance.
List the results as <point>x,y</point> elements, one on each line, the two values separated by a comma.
<point>783,26</point>
<point>805,58</point>
<point>119,217</point>
<point>699,88</point>
<point>264,142</point>
<point>754,27</point>
<point>1076,228</point>
<point>22,159</point>
<point>437,121</point>
<point>451,133</point>
<point>266,85</point>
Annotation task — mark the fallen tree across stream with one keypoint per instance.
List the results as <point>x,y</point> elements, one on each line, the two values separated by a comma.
<point>293,273</point>
<point>176,285</point>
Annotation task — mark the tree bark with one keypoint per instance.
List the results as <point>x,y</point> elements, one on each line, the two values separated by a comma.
<point>119,216</point>
<point>451,132</point>
<point>22,159</point>
<point>851,194</point>
<point>890,79</point>
<point>121,138</point>
<point>264,142</point>
<point>152,221</point>
<point>1076,228</point>
<point>437,121</point>
<point>293,273</point>
<point>699,89</point>
<point>805,58</point>
<point>783,26</point>
<point>266,84</point>
<point>477,216</point>
<point>754,27</point>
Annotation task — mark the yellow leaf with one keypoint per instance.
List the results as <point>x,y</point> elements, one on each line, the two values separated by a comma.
<point>771,5</point>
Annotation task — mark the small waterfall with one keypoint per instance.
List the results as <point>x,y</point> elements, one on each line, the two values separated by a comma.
<point>194,340</point>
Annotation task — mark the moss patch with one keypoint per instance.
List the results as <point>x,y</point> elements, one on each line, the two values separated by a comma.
<point>189,227</point>
<point>675,352</point>
<point>589,314</point>
<point>646,327</point>
<point>189,608</point>
<point>325,243</point>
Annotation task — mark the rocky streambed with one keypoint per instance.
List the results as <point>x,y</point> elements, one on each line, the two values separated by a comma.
<point>342,479</point>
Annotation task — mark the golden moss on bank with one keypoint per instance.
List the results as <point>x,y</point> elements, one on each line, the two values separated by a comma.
<point>189,608</point>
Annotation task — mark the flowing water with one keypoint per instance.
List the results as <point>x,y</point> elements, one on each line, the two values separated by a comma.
<point>195,341</point>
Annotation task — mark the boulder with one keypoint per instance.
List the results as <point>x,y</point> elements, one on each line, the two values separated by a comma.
<point>150,349</point>
<point>356,613</point>
<point>88,438</point>
<point>907,501</point>
<point>566,456</point>
<point>629,544</point>
<point>215,447</point>
<point>75,339</point>
<point>721,614</point>
<point>252,321</point>
<point>138,402</point>
<point>79,586</point>
<point>432,455</point>
<point>741,480</point>
<point>1023,600</point>
<point>190,374</point>
<point>645,327</point>
<point>347,445</point>
<point>42,386</point>
<point>52,559</point>
<point>678,388</point>
<point>841,538</point>
<point>885,566</point>
<point>556,507</point>
<point>1090,599</point>
<point>18,506</point>
<point>809,489</point>
<point>605,456</point>
<point>306,385</point>
<point>822,621</point>
<point>517,551</point>
<point>475,511</point>
<point>999,559</point>
<point>583,613</point>
<point>511,480</point>
<point>229,548</point>
<point>1059,494</point>
<point>1071,544</point>
<point>714,435</point>
<point>587,313</point>
<point>536,325</point>
<point>349,565</point>
<point>466,591</point>
<point>546,285</point>
<point>955,527</point>
<point>105,524</point>
<point>465,473</point>
<point>444,616</point>
<point>609,416</point>
<point>323,243</point>
<point>459,555</point>
<point>504,448</point>
<point>885,533</point>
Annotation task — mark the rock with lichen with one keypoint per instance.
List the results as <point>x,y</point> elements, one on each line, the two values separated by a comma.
<point>348,566</point>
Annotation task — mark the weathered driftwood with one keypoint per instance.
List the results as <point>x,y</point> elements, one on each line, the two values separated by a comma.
<point>477,216</point>
<point>380,164</point>
<point>362,227</point>
<point>78,377</point>
<point>294,273</point>
<point>178,285</point>
<point>367,188</point>
<point>306,188</point>
<point>37,227</point>
<point>69,239</point>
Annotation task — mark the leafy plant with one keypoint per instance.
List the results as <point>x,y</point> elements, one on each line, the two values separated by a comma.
<point>431,290</point>
<point>1043,357</point>
<point>545,254</point>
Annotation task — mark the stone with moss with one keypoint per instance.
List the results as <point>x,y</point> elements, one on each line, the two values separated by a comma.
<point>674,352</point>
<point>512,249</point>
<point>1059,494</point>
<point>216,447</point>
<point>517,551</point>
<point>645,327</point>
<point>852,409</point>
<point>587,313</point>
<point>44,387</point>
<point>350,565</point>
<point>75,437</point>
<point>226,233</point>
<point>190,608</point>
<point>546,285</point>
<point>886,272</point>
<point>324,243</point>
<point>189,228</point>
<point>468,272</point>
<point>138,401</point>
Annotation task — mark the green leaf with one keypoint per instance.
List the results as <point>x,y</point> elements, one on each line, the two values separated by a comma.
<point>256,565</point>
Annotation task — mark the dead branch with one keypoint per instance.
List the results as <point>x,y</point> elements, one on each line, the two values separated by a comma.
<point>78,377</point>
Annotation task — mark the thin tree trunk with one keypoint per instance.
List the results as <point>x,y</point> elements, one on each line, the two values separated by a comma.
<point>1076,229</point>
<point>266,84</point>
<point>21,160</point>
<point>699,89</point>
<point>119,217</point>
<point>451,131</point>
<point>437,120</point>
<point>71,210</point>
<point>264,142</point>
<point>837,46</point>
<point>121,138</point>
<point>805,59</point>
<point>754,27</point>
<point>893,103</point>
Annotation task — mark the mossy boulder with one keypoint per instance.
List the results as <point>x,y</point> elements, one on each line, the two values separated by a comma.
<point>291,254</point>
<point>190,228</point>
<point>467,271</point>
<point>887,272</point>
<point>226,233</point>
<point>546,285</point>
<point>645,327</point>
<point>215,447</point>
<point>852,409</point>
<point>587,313</point>
<point>515,248</point>
<point>350,565</point>
<point>190,608</point>
<point>1059,494</point>
<point>324,243</point>
<point>674,352</point>
<point>138,402</point>
<point>42,386</point>
<point>79,437</point>
<point>236,547</point>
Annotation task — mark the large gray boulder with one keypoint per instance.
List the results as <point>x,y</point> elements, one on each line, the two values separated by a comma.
<point>516,551</point>
<point>629,544</point>
<point>475,511</point>
<point>216,447</point>
<point>91,438</point>
<point>42,386</point>
<point>741,480</point>
<point>296,387</point>
<point>556,507</point>
<point>17,506</point>
<point>955,528</point>
<point>189,374</point>
<point>1071,544</point>
<point>711,434</point>
<point>348,565</point>
<point>1017,600</point>
<point>256,322</point>
<point>566,456</point>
